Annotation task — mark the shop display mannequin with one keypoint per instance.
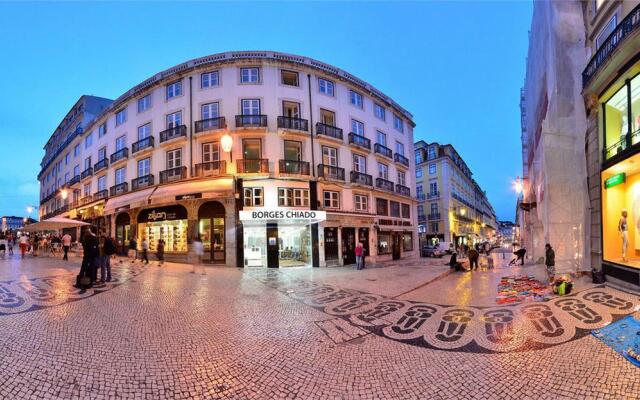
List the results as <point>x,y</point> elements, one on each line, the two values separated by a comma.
<point>624,232</point>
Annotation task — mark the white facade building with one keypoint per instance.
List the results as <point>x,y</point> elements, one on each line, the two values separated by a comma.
<point>303,135</point>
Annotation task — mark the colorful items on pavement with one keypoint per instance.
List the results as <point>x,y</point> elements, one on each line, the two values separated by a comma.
<point>623,337</point>
<point>517,288</point>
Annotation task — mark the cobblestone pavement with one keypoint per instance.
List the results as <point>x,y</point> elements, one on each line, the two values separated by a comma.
<point>300,333</point>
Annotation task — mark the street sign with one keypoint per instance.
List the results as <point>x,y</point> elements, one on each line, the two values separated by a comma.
<point>615,180</point>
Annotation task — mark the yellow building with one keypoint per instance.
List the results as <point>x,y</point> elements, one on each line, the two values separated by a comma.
<point>452,208</point>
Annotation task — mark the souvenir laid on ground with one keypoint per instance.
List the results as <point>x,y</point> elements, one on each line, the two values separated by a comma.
<point>623,337</point>
<point>562,286</point>
<point>517,288</point>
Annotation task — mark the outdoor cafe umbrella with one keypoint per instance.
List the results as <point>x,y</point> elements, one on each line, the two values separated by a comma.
<point>53,224</point>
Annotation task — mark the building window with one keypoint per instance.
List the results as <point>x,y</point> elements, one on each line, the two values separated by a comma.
<point>210,152</point>
<point>356,99</point>
<point>144,103</point>
<point>433,188</point>
<point>76,150</point>
<point>174,120</point>
<point>406,210</point>
<point>121,175</point>
<point>359,163</point>
<point>431,153</point>
<point>331,199</point>
<point>102,183</point>
<point>66,177</point>
<point>327,117</point>
<point>88,141</point>
<point>210,110</point>
<point>420,210</point>
<point>435,227</point>
<point>330,156</point>
<point>253,197</point>
<point>289,78</point>
<point>102,153</point>
<point>397,123</point>
<point>291,197</point>
<point>384,243</point>
<point>144,131</point>
<point>434,208</point>
<point>394,206</point>
<point>418,157</point>
<point>102,129</point>
<point>174,158</point>
<point>418,172</point>
<point>419,191</point>
<point>383,171</point>
<point>379,111</point>
<point>250,75</point>
<point>144,167</point>
<point>432,169</point>
<point>361,202</point>
<point>250,106</point>
<point>325,87</point>
<point>76,170</point>
<point>402,178</point>
<point>400,148</point>
<point>209,79</point>
<point>66,158</point>
<point>407,241</point>
<point>121,142</point>
<point>606,31</point>
<point>87,190</point>
<point>174,89</point>
<point>357,127</point>
<point>121,117</point>
<point>381,138</point>
<point>382,207</point>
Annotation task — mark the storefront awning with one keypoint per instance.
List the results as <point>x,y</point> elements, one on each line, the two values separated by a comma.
<point>133,199</point>
<point>190,187</point>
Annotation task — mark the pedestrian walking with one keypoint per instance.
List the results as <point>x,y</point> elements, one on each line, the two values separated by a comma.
<point>24,244</point>
<point>133,249</point>
<point>145,251</point>
<point>66,245</point>
<point>359,253</point>
<point>550,262</point>
<point>10,242</point>
<point>160,252</point>
<point>109,251</point>
<point>473,256</point>
<point>198,251</point>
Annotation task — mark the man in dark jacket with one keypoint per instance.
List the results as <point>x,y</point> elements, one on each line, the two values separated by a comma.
<point>89,257</point>
<point>550,262</point>
<point>473,256</point>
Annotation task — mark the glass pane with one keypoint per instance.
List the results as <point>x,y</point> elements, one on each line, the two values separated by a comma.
<point>635,106</point>
<point>204,230</point>
<point>616,122</point>
<point>251,149</point>
<point>292,151</point>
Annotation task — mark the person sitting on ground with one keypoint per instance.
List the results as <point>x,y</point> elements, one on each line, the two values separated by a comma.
<point>453,263</point>
<point>520,253</point>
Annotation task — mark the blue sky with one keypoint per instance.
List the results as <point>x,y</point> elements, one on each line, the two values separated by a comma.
<point>457,66</point>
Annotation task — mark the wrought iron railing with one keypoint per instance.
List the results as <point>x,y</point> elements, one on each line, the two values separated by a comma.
<point>328,130</point>
<point>173,174</point>
<point>403,190</point>
<point>297,124</point>
<point>383,150</point>
<point>210,124</point>
<point>253,166</point>
<point>361,178</point>
<point>121,154</point>
<point>251,121</point>
<point>433,195</point>
<point>294,167</point>
<point>102,164</point>
<point>384,184</point>
<point>86,173</point>
<point>172,133</point>
<point>399,158</point>
<point>102,194</point>
<point>330,172</point>
<point>359,141</point>
<point>118,189</point>
<point>434,217</point>
<point>142,182</point>
<point>210,169</point>
<point>142,144</point>
<point>74,180</point>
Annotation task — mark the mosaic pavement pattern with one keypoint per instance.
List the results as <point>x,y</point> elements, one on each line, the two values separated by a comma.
<point>505,328</point>
<point>22,295</point>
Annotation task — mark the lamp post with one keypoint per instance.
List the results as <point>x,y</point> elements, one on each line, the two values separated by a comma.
<point>227,145</point>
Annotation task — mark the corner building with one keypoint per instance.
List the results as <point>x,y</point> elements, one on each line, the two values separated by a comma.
<point>219,146</point>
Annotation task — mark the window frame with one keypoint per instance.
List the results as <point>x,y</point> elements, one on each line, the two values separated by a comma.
<point>258,75</point>
<point>209,74</point>
<point>383,115</point>
<point>329,84</point>
<point>353,99</point>
<point>331,200</point>
<point>250,200</point>
<point>288,71</point>
<point>172,89</point>
<point>359,204</point>
<point>121,116</point>
<point>144,103</point>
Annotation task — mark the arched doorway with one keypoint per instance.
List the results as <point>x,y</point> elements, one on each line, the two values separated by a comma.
<point>123,232</point>
<point>211,228</point>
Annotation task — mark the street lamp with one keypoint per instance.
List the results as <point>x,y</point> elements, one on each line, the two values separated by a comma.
<point>29,210</point>
<point>64,193</point>
<point>463,211</point>
<point>227,143</point>
<point>518,185</point>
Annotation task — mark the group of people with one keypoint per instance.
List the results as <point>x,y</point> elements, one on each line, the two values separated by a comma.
<point>97,253</point>
<point>33,244</point>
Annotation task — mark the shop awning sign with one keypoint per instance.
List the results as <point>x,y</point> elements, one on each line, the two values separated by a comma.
<point>277,215</point>
<point>615,180</point>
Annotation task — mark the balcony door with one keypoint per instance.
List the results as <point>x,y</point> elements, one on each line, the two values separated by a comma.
<point>381,138</point>
<point>102,153</point>
<point>251,149</point>
<point>174,120</point>
<point>250,107</point>
<point>360,163</point>
<point>327,117</point>
<point>291,109</point>
<point>330,156</point>
<point>292,150</point>
<point>210,157</point>
<point>144,131</point>
<point>121,143</point>
<point>144,167</point>
<point>211,110</point>
<point>174,158</point>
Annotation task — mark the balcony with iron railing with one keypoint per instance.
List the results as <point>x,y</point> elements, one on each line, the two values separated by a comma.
<point>422,197</point>
<point>173,174</point>
<point>176,132</point>
<point>294,167</point>
<point>143,144</point>
<point>403,190</point>
<point>119,155</point>
<point>85,200</point>
<point>328,131</point>
<point>384,184</point>
<point>422,218</point>
<point>86,173</point>
<point>433,195</point>
<point>102,164</point>
<point>211,169</point>
<point>360,178</point>
<point>253,166</point>
<point>101,194</point>
<point>359,141</point>
<point>434,217</point>
<point>120,188</point>
<point>142,182</point>
<point>382,150</point>
<point>74,181</point>
<point>626,29</point>
<point>330,172</point>
<point>290,123</point>
<point>400,159</point>
<point>251,121</point>
<point>210,124</point>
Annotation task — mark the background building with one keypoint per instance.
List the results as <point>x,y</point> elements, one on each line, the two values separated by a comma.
<point>452,208</point>
<point>12,223</point>
<point>192,149</point>
<point>611,88</point>
<point>554,206</point>
<point>507,231</point>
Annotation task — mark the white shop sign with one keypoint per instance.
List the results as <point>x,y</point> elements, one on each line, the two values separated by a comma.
<point>277,214</point>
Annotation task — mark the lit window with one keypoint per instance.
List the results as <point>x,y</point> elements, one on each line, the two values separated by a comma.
<point>289,78</point>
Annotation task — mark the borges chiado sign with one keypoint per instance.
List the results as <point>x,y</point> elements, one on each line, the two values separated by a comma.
<point>283,214</point>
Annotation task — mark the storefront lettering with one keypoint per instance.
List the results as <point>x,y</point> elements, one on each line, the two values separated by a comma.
<point>276,214</point>
<point>160,215</point>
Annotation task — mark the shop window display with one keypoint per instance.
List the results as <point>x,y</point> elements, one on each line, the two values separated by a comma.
<point>621,213</point>
<point>384,243</point>
<point>616,122</point>
<point>174,234</point>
